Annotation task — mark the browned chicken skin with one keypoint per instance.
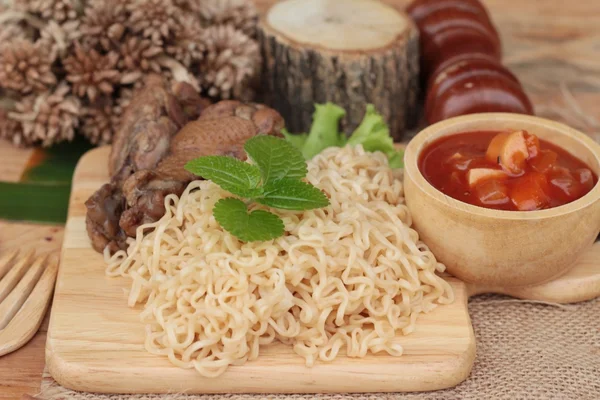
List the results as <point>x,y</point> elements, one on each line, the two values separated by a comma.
<point>150,151</point>
<point>147,126</point>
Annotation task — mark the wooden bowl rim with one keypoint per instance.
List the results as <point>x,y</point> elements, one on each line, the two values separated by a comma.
<point>417,144</point>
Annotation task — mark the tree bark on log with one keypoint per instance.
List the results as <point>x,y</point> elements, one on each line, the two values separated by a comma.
<point>297,74</point>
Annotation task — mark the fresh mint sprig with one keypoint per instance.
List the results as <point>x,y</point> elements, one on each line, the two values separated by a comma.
<point>274,179</point>
<point>235,176</point>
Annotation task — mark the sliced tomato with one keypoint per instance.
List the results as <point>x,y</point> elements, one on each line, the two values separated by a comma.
<point>530,192</point>
<point>544,162</point>
<point>492,192</point>
<point>533,144</point>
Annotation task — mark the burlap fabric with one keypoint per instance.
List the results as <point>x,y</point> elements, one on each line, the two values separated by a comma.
<point>525,350</point>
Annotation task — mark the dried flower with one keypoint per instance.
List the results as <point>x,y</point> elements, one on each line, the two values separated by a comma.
<point>242,14</point>
<point>189,6</point>
<point>57,10</point>
<point>59,38</point>
<point>10,129</point>
<point>91,73</point>
<point>231,65</point>
<point>104,22</point>
<point>26,67</point>
<point>48,118</point>
<point>97,122</point>
<point>74,65</point>
<point>187,45</point>
<point>10,29</point>
<point>154,19</point>
<point>137,57</point>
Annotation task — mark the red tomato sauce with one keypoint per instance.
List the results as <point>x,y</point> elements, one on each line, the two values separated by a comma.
<point>511,170</point>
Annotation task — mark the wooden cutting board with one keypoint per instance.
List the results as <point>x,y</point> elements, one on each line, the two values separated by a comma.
<point>95,342</point>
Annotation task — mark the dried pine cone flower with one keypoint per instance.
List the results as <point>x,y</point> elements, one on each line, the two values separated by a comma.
<point>154,19</point>
<point>59,38</point>
<point>137,57</point>
<point>104,22</point>
<point>242,14</point>
<point>187,46</point>
<point>26,67</point>
<point>91,73</point>
<point>10,29</point>
<point>97,122</point>
<point>189,6</point>
<point>48,118</point>
<point>57,10</point>
<point>231,64</point>
<point>10,129</point>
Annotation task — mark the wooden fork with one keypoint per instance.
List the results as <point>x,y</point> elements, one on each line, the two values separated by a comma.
<point>26,286</point>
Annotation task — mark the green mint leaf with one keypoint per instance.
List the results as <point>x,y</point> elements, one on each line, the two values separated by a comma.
<point>276,158</point>
<point>235,176</point>
<point>293,194</point>
<point>259,225</point>
<point>325,130</point>
<point>296,139</point>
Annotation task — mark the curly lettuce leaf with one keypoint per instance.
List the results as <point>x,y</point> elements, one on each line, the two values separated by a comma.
<point>325,130</point>
<point>374,135</point>
<point>296,139</point>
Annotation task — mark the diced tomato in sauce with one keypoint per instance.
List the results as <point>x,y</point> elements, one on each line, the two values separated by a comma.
<point>512,170</point>
<point>544,162</point>
<point>530,192</point>
<point>492,193</point>
<point>565,183</point>
<point>533,145</point>
<point>585,178</point>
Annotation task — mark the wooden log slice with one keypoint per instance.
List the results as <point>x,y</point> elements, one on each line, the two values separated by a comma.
<point>349,52</point>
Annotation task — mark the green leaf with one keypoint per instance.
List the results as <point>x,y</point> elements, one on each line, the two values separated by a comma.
<point>296,139</point>
<point>396,159</point>
<point>373,133</point>
<point>235,176</point>
<point>56,163</point>
<point>276,158</point>
<point>42,195</point>
<point>324,131</point>
<point>232,214</point>
<point>293,194</point>
<point>35,202</point>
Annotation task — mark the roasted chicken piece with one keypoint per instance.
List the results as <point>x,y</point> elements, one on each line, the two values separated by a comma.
<point>150,151</point>
<point>147,126</point>
<point>222,129</point>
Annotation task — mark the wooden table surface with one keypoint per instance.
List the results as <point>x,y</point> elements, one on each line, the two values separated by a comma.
<point>553,46</point>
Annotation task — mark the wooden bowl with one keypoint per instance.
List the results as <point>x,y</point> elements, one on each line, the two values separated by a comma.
<point>503,248</point>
